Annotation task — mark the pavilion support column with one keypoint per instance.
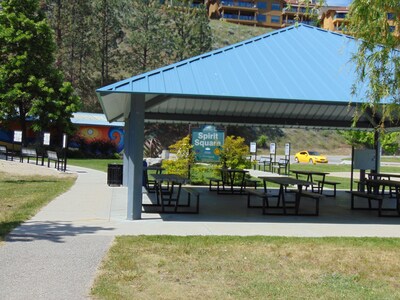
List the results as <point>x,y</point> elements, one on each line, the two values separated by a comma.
<point>125,157</point>
<point>377,147</point>
<point>135,156</point>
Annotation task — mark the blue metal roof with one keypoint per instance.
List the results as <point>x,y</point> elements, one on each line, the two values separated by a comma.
<point>299,74</point>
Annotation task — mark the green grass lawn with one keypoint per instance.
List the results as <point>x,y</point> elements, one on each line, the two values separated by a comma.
<point>23,196</point>
<point>221,267</point>
<point>96,164</point>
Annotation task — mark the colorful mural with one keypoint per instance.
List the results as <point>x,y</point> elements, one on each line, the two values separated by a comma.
<point>89,126</point>
<point>102,133</point>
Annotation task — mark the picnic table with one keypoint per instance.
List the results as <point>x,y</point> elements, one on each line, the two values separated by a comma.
<point>229,177</point>
<point>284,182</point>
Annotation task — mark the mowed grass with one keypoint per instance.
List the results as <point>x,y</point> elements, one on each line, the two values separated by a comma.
<point>221,267</point>
<point>96,164</point>
<point>23,196</point>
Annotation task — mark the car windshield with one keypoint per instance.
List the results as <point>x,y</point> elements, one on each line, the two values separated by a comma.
<point>313,153</point>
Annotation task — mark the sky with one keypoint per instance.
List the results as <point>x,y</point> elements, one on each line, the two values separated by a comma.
<point>338,2</point>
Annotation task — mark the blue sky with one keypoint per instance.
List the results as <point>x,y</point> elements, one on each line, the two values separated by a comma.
<point>338,2</point>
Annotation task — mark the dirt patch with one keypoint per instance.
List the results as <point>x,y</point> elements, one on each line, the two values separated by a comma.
<point>31,169</point>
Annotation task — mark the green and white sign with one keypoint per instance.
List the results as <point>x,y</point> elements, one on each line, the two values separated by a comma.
<point>207,142</point>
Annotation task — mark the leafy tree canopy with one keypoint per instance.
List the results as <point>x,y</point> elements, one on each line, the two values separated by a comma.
<point>30,86</point>
<point>373,22</point>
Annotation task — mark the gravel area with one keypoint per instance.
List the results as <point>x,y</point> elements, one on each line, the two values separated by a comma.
<point>30,169</point>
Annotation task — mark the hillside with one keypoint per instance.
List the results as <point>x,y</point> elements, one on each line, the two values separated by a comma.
<point>329,142</point>
<point>225,33</point>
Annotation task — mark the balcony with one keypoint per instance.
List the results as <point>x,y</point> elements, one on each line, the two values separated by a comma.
<point>239,18</point>
<point>239,4</point>
<point>292,22</point>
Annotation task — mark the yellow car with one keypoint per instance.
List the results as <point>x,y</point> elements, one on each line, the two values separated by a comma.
<point>311,157</point>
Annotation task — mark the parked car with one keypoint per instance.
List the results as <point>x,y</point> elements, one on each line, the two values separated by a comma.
<point>312,157</point>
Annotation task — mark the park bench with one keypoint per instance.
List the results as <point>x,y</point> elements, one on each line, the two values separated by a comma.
<point>256,193</point>
<point>195,193</point>
<point>305,194</point>
<point>4,151</point>
<point>281,164</point>
<point>58,161</point>
<point>250,182</point>
<point>264,162</point>
<point>369,196</point>
<point>30,153</point>
<point>322,183</point>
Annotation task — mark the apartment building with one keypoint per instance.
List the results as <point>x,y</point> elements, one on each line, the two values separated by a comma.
<point>297,12</point>
<point>334,18</point>
<point>264,13</point>
<point>283,13</point>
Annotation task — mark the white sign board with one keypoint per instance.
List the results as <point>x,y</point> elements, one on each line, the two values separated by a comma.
<point>18,136</point>
<point>364,159</point>
<point>287,149</point>
<point>46,139</point>
<point>272,148</point>
<point>64,141</point>
<point>253,147</point>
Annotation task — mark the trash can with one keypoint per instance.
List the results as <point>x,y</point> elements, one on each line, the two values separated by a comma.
<point>114,174</point>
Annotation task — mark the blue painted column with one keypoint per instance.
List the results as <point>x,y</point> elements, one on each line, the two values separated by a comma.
<point>125,157</point>
<point>135,156</point>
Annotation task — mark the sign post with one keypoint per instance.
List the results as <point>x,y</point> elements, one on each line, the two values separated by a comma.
<point>17,138</point>
<point>287,155</point>
<point>64,146</point>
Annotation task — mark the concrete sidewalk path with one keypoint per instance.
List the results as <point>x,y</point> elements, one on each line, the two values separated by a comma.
<point>55,255</point>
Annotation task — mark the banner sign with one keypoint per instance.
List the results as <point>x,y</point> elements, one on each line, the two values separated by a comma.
<point>207,142</point>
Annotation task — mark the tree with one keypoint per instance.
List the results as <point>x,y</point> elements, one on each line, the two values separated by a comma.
<point>30,86</point>
<point>389,141</point>
<point>147,37</point>
<point>234,152</point>
<point>378,57</point>
<point>262,141</point>
<point>190,30</point>
<point>109,36</point>
<point>184,158</point>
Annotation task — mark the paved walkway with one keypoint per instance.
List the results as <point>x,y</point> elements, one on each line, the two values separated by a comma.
<point>55,255</point>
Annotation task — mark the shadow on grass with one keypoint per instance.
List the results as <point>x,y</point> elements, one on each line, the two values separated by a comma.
<point>24,181</point>
<point>49,231</point>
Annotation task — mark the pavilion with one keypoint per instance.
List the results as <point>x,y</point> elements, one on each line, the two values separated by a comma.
<point>300,76</point>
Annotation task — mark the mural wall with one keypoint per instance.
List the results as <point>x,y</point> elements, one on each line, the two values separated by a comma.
<point>102,133</point>
<point>87,132</point>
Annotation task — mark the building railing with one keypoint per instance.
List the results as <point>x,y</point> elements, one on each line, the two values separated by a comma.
<point>238,3</point>
<point>291,21</point>
<point>237,17</point>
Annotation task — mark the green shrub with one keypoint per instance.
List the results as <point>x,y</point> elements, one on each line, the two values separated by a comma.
<point>234,151</point>
<point>184,158</point>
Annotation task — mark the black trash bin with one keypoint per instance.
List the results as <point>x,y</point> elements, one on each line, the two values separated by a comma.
<point>114,174</point>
